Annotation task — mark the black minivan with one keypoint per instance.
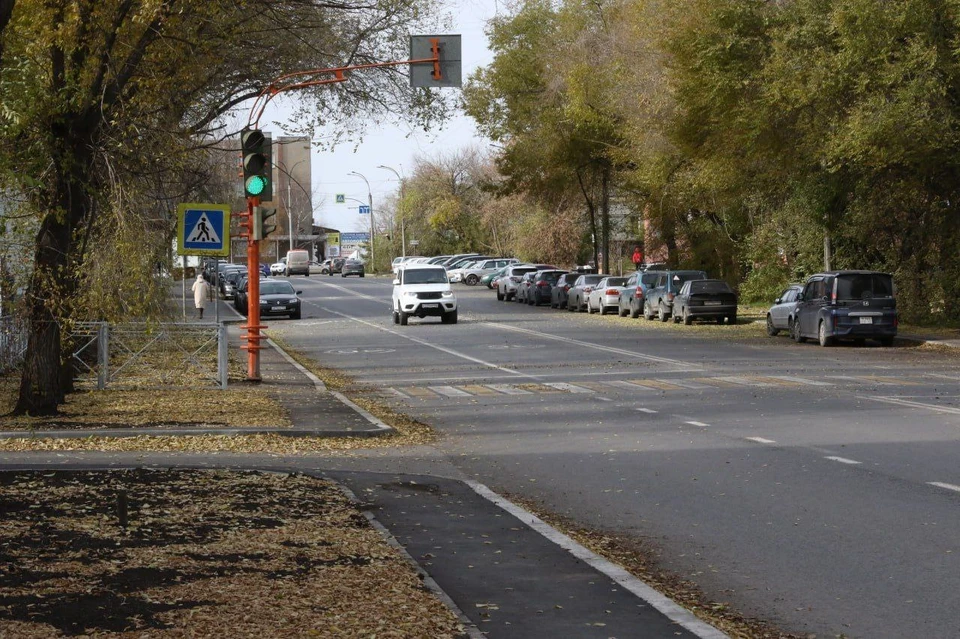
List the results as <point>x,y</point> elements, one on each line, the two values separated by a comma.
<point>847,305</point>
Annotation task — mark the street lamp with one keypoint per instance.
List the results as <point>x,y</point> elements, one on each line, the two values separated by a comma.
<point>373,264</point>
<point>403,234</point>
<point>289,174</point>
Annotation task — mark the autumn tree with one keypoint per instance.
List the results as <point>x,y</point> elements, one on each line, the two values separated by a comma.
<point>112,97</point>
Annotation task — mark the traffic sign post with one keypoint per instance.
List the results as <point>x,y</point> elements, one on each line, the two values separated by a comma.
<point>203,229</point>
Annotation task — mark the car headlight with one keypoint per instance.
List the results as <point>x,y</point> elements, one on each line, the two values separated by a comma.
<point>409,294</point>
<point>447,293</point>
<point>293,301</point>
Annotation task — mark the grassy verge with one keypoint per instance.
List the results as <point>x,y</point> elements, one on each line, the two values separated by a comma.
<point>165,553</point>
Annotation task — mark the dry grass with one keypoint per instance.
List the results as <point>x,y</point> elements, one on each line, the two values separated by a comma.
<point>200,553</point>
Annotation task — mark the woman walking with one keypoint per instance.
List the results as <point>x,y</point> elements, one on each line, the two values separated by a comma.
<point>200,293</point>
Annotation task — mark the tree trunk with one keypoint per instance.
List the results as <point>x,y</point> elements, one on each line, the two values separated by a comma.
<point>41,390</point>
<point>605,215</point>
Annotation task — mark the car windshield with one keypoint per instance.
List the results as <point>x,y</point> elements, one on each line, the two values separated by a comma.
<point>680,278</point>
<point>233,276</point>
<point>523,271</point>
<point>276,288</point>
<point>616,281</point>
<point>551,277</point>
<point>649,279</point>
<point>707,286</point>
<point>425,276</point>
<point>863,286</point>
<point>592,279</point>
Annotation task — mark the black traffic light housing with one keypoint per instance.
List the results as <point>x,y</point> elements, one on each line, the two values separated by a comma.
<point>257,164</point>
<point>264,222</point>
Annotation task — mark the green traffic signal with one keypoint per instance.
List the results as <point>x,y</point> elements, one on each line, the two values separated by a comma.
<point>255,151</point>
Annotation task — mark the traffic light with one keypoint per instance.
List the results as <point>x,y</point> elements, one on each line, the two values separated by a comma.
<point>257,169</point>
<point>263,222</point>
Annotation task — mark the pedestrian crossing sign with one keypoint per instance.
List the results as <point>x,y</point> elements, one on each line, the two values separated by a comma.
<point>203,229</point>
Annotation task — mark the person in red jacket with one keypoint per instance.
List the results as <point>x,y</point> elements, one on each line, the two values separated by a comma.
<point>637,258</point>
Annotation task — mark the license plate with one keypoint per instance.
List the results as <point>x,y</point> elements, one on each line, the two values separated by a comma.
<point>712,303</point>
<point>278,308</point>
<point>866,320</point>
<point>430,305</point>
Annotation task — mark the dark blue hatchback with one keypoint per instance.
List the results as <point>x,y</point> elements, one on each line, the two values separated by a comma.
<point>847,305</point>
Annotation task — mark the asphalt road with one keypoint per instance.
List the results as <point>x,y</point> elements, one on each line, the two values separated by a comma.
<point>816,488</point>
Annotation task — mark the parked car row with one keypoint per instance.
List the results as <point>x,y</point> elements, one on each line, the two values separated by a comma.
<point>277,297</point>
<point>832,306</point>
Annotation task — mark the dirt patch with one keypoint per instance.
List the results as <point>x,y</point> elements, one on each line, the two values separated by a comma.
<point>199,553</point>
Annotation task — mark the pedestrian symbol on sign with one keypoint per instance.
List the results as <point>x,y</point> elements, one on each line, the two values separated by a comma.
<point>341,198</point>
<point>202,232</point>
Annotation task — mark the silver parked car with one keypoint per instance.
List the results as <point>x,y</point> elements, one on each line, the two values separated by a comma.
<point>780,316</point>
<point>471,275</point>
<point>606,295</point>
<point>507,284</point>
<point>577,295</point>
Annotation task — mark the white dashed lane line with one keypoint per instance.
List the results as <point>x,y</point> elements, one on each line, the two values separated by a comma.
<point>700,424</point>
<point>843,460</point>
<point>761,440</point>
<point>649,411</point>
<point>939,484</point>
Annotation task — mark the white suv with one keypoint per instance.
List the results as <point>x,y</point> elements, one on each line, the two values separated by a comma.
<point>421,290</point>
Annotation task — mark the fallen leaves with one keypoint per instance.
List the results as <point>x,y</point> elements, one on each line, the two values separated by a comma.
<point>203,554</point>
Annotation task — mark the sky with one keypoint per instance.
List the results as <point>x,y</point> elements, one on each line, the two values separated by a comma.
<point>391,146</point>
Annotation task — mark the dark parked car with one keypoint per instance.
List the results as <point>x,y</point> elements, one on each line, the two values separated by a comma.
<point>228,281</point>
<point>277,297</point>
<point>523,286</point>
<point>713,299</point>
<point>847,305</point>
<point>558,292</point>
<point>351,267</point>
<point>541,289</point>
<point>658,301</point>
<point>631,299</point>
<point>781,314</point>
<point>336,264</point>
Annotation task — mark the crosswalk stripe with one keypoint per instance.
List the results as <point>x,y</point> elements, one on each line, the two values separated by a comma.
<point>629,386</point>
<point>570,388</point>
<point>742,381</point>
<point>594,386</point>
<point>776,381</point>
<point>800,380</point>
<point>416,391</point>
<point>684,384</point>
<point>654,383</point>
<point>449,391</point>
<point>508,389</point>
<point>715,382</point>
<point>396,393</point>
<point>477,389</point>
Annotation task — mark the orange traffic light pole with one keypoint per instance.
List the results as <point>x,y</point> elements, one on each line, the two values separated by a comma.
<point>292,82</point>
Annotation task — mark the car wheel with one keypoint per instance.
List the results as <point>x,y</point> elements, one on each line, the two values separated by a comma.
<point>363,275</point>
<point>662,313</point>
<point>731,320</point>
<point>307,274</point>
<point>449,318</point>
<point>295,315</point>
<point>647,315</point>
<point>499,295</point>
<point>590,310</point>
<point>603,310</point>
<point>622,312</point>
<point>532,301</point>
<point>885,341</point>
<point>825,340</point>
<point>794,327</point>
<point>396,317</point>
<point>471,280</point>
<point>635,313</point>
<point>686,316</point>
<point>772,330</point>
<point>403,318</point>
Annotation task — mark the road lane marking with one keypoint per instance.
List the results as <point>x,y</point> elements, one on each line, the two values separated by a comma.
<point>397,393</point>
<point>478,389</point>
<point>800,380</point>
<point>761,440</point>
<point>449,391</point>
<point>655,384</point>
<point>842,460</point>
<point>508,389</point>
<point>421,393</point>
<point>649,411</point>
<point>570,388</point>
<point>940,484</point>
<point>889,381</point>
<point>743,381</point>
<point>700,424</point>
<point>955,378</point>
<point>599,347</point>
<point>628,386</point>
<point>679,615</point>
<point>904,402</point>
<point>444,349</point>
<point>682,383</point>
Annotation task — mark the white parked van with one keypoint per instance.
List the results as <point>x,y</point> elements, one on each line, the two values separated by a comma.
<point>298,263</point>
